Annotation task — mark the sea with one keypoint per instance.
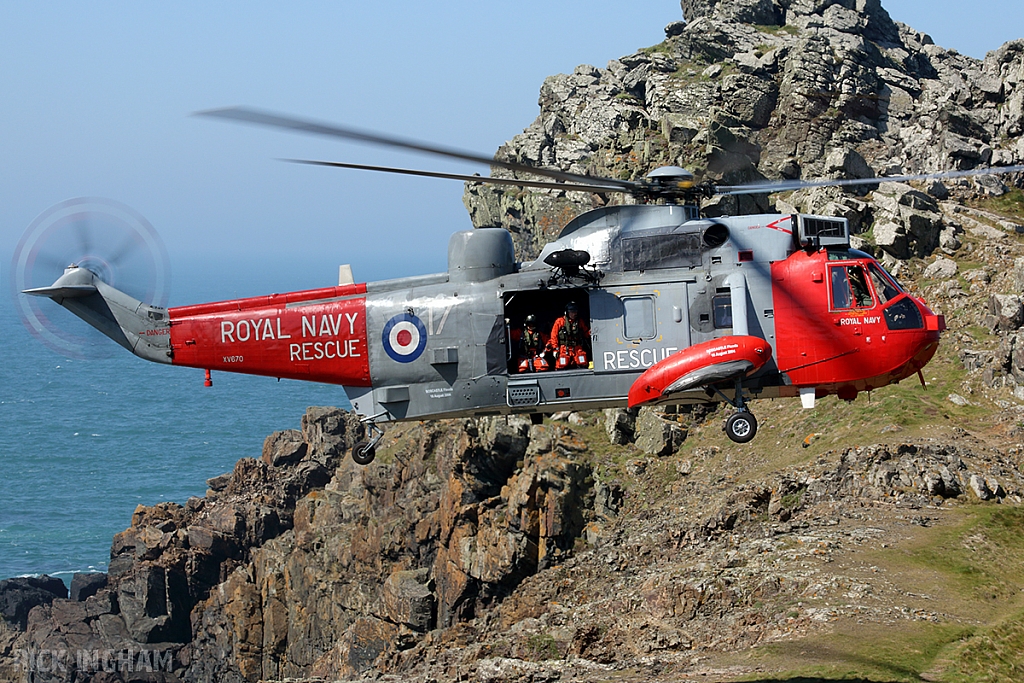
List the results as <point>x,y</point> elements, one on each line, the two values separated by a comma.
<point>83,441</point>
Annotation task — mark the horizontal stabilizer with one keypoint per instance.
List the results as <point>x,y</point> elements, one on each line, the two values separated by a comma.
<point>65,292</point>
<point>142,329</point>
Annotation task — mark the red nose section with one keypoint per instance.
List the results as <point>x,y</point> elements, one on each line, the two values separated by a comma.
<point>700,365</point>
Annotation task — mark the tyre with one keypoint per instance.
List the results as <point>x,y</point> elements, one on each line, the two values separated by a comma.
<point>741,427</point>
<point>363,453</point>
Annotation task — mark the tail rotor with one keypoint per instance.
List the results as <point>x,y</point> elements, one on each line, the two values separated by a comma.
<point>106,237</point>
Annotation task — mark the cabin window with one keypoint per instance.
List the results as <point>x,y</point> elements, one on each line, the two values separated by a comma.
<point>638,317</point>
<point>850,288</point>
<point>721,306</point>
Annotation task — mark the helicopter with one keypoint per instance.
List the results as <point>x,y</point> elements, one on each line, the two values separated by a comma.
<point>678,308</point>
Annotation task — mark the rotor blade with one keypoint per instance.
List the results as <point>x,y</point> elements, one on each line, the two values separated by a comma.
<point>568,187</point>
<point>84,241</point>
<point>50,262</point>
<point>264,118</point>
<point>128,246</point>
<point>787,185</point>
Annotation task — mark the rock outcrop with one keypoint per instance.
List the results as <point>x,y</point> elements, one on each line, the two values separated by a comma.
<point>745,90</point>
<point>18,596</point>
<point>173,556</point>
<point>478,547</point>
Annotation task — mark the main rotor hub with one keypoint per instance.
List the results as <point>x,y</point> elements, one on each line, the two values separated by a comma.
<point>672,184</point>
<point>670,175</point>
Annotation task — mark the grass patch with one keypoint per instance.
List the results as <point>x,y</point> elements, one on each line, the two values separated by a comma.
<point>972,565</point>
<point>776,30</point>
<point>541,646</point>
<point>981,556</point>
<point>862,653</point>
<point>661,48</point>
<point>791,501</point>
<point>993,655</point>
<point>1010,204</point>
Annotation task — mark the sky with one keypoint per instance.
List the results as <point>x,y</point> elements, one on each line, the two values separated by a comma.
<point>96,102</point>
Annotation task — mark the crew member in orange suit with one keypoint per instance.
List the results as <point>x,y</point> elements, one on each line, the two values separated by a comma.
<point>532,347</point>
<point>570,338</point>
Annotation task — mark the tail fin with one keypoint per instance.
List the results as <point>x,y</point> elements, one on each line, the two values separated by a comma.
<point>142,329</point>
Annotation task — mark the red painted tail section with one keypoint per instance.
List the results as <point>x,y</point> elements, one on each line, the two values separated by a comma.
<point>317,335</point>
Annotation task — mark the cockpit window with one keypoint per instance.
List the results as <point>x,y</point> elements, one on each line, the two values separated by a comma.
<point>850,288</point>
<point>904,315</point>
<point>885,287</point>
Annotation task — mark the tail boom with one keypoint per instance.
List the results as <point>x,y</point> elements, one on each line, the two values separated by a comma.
<point>317,335</point>
<point>142,329</point>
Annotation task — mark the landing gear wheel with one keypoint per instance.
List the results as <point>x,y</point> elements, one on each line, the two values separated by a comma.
<point>363,453</point>
<point>741,427</point>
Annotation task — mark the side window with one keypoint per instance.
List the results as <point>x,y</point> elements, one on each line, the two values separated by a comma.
<point>638,317</point>
<point>840,288</point>
<point>661,251</point>
<point>722,307</point>
<point>859,287</point>
<point>850,288</point>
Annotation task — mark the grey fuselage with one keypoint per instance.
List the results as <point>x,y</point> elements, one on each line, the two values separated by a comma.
<point>659,280</point>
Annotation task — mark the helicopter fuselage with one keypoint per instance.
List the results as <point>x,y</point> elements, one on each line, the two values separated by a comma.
<point>677,308</point>
<point>674,308</point>
<point>661,281</point>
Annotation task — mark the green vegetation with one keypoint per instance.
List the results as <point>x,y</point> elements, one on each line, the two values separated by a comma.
<point>542,646</point>
<point>791,501</point>
<point>982,556</point>
<point>776,30</point>
<point>970,567</point>
<point>993,655</point>
<point>866,653</point>
<point>661,48</point>
<point>1010,204</point>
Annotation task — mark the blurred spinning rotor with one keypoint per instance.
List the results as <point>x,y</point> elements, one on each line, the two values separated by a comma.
<point>112,240</point>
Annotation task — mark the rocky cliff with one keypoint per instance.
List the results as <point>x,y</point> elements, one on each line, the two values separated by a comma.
<point>617,545</point>
<point>500,550</point>
<point>745,90</point>
<point>302,563</point>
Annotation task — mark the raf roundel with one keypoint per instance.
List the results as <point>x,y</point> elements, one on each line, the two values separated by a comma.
<point>404,338</point>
